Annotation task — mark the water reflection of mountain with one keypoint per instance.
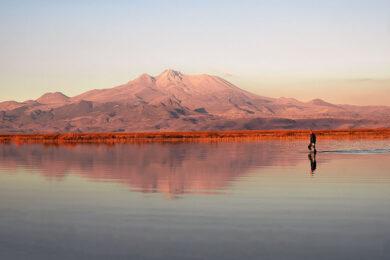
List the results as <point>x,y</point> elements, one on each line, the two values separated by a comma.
<point>162,168</point>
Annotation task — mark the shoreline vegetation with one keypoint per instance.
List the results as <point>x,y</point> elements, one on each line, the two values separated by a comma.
<point>207,137</point>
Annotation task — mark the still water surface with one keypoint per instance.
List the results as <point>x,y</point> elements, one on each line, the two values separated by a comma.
<point>244,200</point>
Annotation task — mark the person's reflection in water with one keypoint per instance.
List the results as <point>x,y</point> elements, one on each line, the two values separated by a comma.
<point>313,162</point>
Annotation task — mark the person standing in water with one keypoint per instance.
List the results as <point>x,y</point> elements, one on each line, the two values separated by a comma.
<point>312,141</point>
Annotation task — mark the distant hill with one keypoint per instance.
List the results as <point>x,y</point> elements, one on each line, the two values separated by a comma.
<point>173,101</point>
<point>53,98</point>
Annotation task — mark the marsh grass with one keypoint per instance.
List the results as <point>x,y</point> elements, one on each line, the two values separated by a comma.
<point>206,137</point>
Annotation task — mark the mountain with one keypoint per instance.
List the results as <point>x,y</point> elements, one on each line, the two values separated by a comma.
<point>173,101</point>
<point>53,98</point>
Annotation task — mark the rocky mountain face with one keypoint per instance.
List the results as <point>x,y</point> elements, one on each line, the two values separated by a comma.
<point>173,101</point>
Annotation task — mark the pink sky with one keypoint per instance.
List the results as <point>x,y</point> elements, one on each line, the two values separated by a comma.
<point>335,50</point>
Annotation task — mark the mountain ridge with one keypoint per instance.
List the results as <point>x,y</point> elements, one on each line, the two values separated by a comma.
<point>173,101</point>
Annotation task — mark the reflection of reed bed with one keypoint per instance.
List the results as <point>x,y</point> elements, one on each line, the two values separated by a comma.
<point>206,137</point>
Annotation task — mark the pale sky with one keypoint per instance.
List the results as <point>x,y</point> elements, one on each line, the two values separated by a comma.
<point>337,50</point>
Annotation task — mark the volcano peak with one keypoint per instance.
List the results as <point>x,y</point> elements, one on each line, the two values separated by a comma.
<point>171,74</point>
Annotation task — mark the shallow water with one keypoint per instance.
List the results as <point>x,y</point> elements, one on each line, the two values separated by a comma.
<point>196,201</point>
<point>369,151</point>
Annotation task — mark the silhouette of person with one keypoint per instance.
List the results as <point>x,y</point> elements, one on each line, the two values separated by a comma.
<point>313,162</point>
<point>312,141</point>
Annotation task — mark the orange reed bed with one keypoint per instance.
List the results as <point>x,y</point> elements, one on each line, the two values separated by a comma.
<point>215,136</point>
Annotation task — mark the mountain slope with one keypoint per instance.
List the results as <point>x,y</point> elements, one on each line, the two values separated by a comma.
<point>53,98</point>
<point>173,101</point>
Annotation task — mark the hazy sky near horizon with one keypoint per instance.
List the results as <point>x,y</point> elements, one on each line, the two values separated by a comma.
<point>337,50</point>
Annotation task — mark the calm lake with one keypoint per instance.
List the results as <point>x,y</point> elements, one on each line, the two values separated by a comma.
<point>242,200</point>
